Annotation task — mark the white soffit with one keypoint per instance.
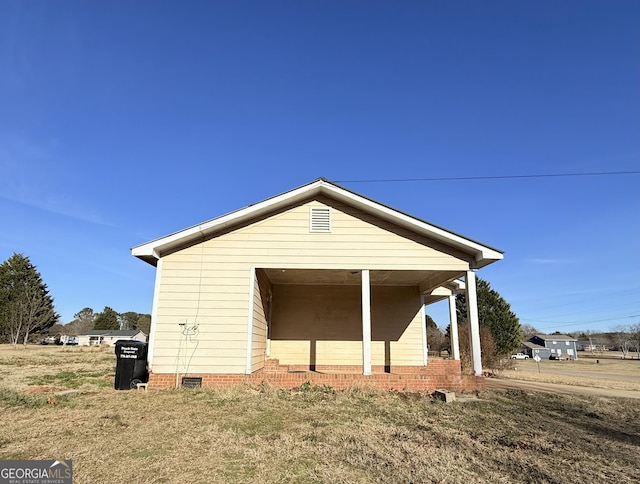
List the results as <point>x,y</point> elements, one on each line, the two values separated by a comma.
<point>153,250</point>
<point>450,288</point>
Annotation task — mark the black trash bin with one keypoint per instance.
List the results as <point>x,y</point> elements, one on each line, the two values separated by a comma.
<point>131,364</point>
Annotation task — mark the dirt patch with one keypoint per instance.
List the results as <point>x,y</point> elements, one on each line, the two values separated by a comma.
<point>43,390</point>
<point>613,377</point>
<point>557,388</point>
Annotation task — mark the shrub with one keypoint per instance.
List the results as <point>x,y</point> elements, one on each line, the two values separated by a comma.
<point>491,360</point>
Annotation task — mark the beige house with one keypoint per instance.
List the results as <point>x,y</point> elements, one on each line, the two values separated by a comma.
<point>317,284</point>
<point>97,337</point>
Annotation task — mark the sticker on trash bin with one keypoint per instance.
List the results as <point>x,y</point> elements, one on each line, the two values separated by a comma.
<point>128,352</point>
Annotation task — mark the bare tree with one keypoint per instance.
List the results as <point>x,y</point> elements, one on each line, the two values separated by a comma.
<point>491,360</point>
<point>82,321</point>
<point>635,337</point>
<point>589,334</point>
<point>621,337</point>
<point>527,331</point>
<point>12,320</point>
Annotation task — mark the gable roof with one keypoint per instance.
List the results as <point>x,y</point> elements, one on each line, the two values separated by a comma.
<point>533,346</point>
<point>152,251</point>
<point>555,337</point>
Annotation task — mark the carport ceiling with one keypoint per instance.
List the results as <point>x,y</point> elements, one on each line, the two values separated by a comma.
<point>347,277</point>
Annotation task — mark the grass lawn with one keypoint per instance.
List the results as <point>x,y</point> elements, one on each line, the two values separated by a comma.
<point>244,434</point>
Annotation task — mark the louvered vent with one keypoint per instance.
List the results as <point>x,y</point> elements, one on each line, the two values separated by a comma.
<point>320,219</point>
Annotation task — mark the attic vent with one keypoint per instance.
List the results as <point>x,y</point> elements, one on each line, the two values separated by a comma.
<point>320,219</point>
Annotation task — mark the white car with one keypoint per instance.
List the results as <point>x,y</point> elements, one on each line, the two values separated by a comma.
<point>519,356</point>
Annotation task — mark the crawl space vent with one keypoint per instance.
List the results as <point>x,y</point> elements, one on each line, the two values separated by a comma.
<point>320,219</point>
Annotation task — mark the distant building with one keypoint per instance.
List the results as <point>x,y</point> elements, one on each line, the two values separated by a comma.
<point>97,337</point>
<point>532,349</point>
<point>598,343</point>
<point>557,345</point>
<point>68,340</point>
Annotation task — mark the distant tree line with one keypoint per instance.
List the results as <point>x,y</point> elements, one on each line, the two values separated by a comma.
<point>27,309</point>
<point>623,338</point>
<point>86,319</point>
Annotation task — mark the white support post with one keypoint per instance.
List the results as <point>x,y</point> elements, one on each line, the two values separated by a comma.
<point>423,320</point>
<point>474,322</point>
<point>252,289</point>
<point>154,315</point>
<point>269,318</point>
<point>453,327</point>
<point>366,323</point>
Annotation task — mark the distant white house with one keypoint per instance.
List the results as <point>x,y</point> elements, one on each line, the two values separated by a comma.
<point>97,337</point>
<point>68,340</point>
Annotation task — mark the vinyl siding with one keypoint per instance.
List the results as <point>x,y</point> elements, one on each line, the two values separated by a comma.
<point>208,284</point>
<point>259,330</point>
<point>322,325</point>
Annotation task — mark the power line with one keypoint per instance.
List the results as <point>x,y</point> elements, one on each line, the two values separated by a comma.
<point>576,323</point>
<point>492,177</point>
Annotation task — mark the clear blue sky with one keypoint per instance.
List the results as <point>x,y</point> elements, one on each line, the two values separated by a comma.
<point>125,121</point>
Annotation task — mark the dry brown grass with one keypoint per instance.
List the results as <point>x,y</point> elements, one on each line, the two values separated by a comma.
<point>262,434</point>
<point>19,367</point>
<point>612,374</point>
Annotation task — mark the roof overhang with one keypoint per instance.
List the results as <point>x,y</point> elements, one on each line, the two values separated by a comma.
<point>451,288</point>
<point>480,254</point>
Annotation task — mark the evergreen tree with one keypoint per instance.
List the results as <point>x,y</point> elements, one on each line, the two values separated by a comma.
<point>431,324</point>
<point>435,337</point>
<point>26,306</point>
<point>495,313</point>
<point>107,319</point>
